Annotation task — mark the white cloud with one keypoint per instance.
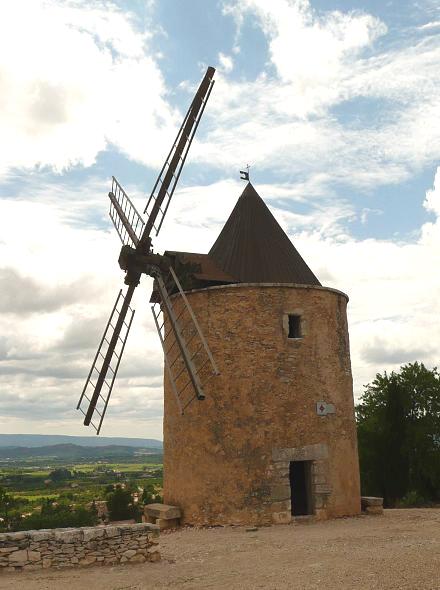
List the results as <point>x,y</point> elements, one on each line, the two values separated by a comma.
<point>432,201</point>
<point>75,77</point>
<point>226,63</point>
<point>54,307</point>
<point>430,25</point>
<point>285,120</point>
<point>311,53</point>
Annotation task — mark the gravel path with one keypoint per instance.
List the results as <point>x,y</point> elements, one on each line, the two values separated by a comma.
<point>400,550</point>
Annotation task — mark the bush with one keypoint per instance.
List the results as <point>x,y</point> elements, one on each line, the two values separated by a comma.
<point>411,499</point>
<point>120,505</point>
<point>58,519</point>
<point>148,495</point>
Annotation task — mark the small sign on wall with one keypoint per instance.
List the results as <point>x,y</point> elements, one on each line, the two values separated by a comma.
<point>323,408</point>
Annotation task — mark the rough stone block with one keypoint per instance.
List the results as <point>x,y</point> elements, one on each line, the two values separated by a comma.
<point>112,531</point>
<point>9,549</point>
<point>88,560</point>
<point>282,517</point>
<point>138,559</point>
<point>154,556</point>
<point>68,535</point>
<point>319,501</point>
<point>16,536</point>
<point>89,534</point>
<point>319,478</point>
<point>111,559</point>
<point>42,535</point>
<point>19,557</point>
<point>32,566</point>
<point>374,510</point>
<point>154,529</point>
<point>34,555</point>
<point>320,514</point>
<point>322,488</point>
<point>168,523</point>
<point>371,501</point>
<point>282,506</point>
<point>280,492</point>
<point>162,511</point>
<point>139,526</point>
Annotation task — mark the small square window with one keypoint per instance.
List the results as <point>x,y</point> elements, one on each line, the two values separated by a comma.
<point>294,326</point>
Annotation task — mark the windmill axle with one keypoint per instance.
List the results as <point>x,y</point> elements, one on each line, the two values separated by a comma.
<point>135,263</point>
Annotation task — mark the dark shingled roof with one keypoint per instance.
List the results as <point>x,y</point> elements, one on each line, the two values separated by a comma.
<point>253,248</point>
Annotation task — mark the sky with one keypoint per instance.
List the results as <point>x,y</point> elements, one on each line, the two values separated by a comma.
<point>333,103</point>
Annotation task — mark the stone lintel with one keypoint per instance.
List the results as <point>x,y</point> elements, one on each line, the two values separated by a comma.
<point>306,453</point>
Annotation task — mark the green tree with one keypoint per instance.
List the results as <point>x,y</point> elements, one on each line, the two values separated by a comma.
<point>60,474</point>
<point>109,489</point>
<point>6,503</point>
<point>120,504</point>
<point>150,496</point>
<point>399,435</point>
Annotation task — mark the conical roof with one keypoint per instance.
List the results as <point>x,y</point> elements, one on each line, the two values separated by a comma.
<point>253,248</point>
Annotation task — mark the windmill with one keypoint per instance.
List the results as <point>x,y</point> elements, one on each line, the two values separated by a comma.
<point>188,359</point>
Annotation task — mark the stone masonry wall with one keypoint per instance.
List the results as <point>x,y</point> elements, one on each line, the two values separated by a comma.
<point>78,547</point>
<point>226,460</point>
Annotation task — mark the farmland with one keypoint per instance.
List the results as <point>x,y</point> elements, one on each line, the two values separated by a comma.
<point>75,476</point>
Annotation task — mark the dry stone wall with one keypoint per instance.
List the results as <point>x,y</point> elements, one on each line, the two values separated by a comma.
<point>78,547</point>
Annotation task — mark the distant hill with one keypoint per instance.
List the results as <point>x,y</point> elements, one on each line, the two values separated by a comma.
<point>78,452</point>
<point>44,440</point>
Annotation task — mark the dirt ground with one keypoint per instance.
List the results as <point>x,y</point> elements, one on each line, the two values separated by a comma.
<point>400,550</point>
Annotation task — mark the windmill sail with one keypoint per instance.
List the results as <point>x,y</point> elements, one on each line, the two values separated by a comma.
<point>158,203</point>
<point>137,257</point>
<point>127,221</point>
<point>98,388</point>
<point>188,360</point>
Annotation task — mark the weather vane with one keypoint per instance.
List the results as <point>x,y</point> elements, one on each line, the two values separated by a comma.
<point>244,174</point>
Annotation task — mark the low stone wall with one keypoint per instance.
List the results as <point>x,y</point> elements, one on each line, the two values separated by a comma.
<point>78,547</point>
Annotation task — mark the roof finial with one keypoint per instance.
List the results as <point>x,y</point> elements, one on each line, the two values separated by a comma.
<point>244,174</point>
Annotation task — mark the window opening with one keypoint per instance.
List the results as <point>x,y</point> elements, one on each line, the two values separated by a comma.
<point>294,326</point>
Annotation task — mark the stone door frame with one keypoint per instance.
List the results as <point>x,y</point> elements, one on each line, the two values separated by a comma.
<point>280,487</point>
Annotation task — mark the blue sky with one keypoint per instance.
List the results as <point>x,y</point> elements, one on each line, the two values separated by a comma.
<point>334,104</point>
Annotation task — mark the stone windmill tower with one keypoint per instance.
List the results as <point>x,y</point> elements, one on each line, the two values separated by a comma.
<point>275,437</point>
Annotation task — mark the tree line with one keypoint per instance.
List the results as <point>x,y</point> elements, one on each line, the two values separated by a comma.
<point>61,512</point>
<point>398,424</point>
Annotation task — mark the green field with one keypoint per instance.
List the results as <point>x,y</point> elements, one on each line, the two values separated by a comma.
<point>31,482</point>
